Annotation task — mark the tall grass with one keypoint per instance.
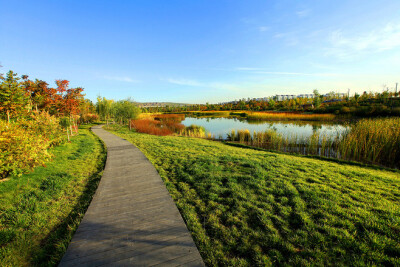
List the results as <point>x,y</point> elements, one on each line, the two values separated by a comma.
<point>375,141</point>
<point>289,116</point>
<point>150,126</point>
<point>147,115</point>
<point>159,124</point>
<point>193,131</point>
<point>169,117</point>
<point>316,144</point>
<point>218,114</point>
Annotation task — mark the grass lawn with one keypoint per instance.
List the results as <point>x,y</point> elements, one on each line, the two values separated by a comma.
<point>246,207</point>
<point>40,211</point>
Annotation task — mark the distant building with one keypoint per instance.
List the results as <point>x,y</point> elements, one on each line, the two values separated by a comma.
<point>306,96</point>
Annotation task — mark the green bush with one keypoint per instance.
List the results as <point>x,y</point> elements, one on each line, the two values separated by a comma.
<point>46,125</point>
<point>24,143</point>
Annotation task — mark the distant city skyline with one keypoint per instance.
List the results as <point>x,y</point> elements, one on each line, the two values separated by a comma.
<point>204,51</point>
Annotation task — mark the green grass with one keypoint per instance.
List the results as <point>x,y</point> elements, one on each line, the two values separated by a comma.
<point>246,207</point>
<point>40,211</point>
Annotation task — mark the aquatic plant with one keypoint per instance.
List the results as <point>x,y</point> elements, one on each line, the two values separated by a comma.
<point>375,141</point>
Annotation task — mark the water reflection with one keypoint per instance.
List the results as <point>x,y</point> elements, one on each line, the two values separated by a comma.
<point>302,129</point>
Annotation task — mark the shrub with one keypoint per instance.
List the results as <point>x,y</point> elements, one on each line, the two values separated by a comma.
<point>21,149</point>
<point>88,118</point>
<point>24,143</point>
<point>47,126</point>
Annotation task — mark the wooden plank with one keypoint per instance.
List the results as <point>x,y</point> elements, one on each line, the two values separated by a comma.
<point>132,220</point>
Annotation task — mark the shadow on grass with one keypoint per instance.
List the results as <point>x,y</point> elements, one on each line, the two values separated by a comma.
<point>56,243</point>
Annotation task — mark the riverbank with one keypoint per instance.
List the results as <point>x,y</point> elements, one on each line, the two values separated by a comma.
<point>41,210</point>
<point>248,207</point>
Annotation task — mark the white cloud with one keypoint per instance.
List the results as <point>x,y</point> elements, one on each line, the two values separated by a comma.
<point>303,13</point>
<point>281,35</point>
<point>120,79</point>
<point>290,38</point>
<point>186,82</point>
<point>378,40</point>
<point>263,28</point>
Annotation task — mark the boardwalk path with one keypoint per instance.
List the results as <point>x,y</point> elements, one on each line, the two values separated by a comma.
<point>132,220</point>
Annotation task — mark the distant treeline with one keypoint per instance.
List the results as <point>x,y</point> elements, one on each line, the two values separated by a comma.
<point>364,105</point>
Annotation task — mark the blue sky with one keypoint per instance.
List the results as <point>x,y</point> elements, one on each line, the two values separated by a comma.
<point>203,51</point>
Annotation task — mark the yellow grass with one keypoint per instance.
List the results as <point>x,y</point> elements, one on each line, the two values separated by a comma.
<point>289,116</point>
<point>147,115</point>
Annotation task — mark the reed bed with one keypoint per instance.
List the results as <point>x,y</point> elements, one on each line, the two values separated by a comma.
<point>150,126</point>
<point>147,115</point>
<point>169,117</point>
<point>316,144</point>
<point>218,114</point>
<point>289,116</point>
<point>374,141</point>
<point>193,131</point>
<point>159,124</point>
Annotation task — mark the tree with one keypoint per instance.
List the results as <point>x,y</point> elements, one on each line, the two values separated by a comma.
<point>271,103</point>
<point>125,110</point>
<point>317,98</point>
<point>331,95</point>
<point>104,108</point>
<point>13,99</point>
<point>39,94</point>
<point>72,100</point>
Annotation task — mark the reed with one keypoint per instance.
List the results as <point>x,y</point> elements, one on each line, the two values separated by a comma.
<point>177,118</point>
<point>217,114</point>
<point>159,124</point>
<point>193,131</point>
<point>150,126</point>
<point>374,141</point>
<point>289,116</point>
<point>147,115</point>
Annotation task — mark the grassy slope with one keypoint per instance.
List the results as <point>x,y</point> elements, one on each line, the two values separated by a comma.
<point>40,211</point>
<point>248,207</point>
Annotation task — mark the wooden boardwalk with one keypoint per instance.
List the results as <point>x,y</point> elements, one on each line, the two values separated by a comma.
<point>132,220</point>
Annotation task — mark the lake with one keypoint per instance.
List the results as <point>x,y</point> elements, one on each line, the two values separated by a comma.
<point>222,126</point>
